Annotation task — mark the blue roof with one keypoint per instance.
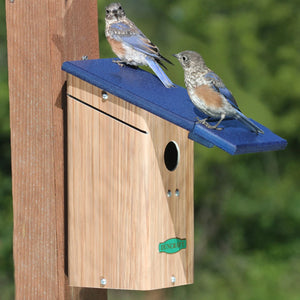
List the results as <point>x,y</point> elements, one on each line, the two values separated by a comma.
<point>145,90</point>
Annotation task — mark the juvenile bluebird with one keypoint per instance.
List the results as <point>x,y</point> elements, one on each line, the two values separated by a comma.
<point>208,92</point>
<point>131,45</point>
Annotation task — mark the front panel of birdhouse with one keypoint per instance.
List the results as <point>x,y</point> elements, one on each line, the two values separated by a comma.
<point>130,194</point>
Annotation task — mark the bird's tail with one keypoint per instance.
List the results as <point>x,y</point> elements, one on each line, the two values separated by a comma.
<point>243,119</point>
<point>160,73</point>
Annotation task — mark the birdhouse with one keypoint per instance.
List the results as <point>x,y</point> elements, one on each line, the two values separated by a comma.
<point>130,176</point>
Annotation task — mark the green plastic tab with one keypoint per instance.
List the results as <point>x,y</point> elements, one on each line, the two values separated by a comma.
<point>172,245</point>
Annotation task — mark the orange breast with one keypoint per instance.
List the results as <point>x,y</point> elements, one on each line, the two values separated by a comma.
<point>116,46</point>
<point>209,96</point>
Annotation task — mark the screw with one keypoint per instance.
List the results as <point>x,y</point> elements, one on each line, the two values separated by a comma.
<point>84,57</point>
<point>104,95</point>
<point>177,192</point>
<point>173,279</point>
<point>169,193</point>
<point>11,1</point>
<point>103,281</point>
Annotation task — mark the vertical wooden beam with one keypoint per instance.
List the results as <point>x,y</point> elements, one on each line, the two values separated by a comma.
<point>40,36</point>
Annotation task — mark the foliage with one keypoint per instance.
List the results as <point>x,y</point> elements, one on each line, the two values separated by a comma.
<point>247,208</point>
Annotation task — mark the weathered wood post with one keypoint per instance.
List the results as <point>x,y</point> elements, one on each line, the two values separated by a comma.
<point>40,36</point>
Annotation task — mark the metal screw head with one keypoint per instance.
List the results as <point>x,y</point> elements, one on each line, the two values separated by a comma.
<point>11,1</point>
<point>169,193</point>
<point>177,192</point>
<point>103,281</point>
<point>104,95</point>
<point>173,279</point>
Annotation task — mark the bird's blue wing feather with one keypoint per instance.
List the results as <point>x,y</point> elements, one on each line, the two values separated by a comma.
<point>229,97</point>
<point>218,85</point>
<point>134,38</point>
<point>214,77</point>
<point>141,44</point>
<point>159,72</point>
<point>122,27</point>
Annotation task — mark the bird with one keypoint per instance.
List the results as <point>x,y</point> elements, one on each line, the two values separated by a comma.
<point>131,45</point>
<point>208,92</point>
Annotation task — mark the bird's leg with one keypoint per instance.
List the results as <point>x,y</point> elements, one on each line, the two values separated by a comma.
<point>206,124</point>
<point>216,125</point>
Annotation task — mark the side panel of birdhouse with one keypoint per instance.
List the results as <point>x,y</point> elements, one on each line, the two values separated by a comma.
<point>130,194</point>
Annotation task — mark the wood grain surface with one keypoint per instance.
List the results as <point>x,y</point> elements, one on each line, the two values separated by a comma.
<point>118,183</point>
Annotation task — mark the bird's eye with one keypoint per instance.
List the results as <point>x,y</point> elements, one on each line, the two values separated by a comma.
<point>120,7</point>
<point>107,11</point>
<point>184,58</point>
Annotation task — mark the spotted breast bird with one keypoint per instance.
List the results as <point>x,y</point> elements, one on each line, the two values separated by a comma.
<point>131,45</point>
<point>208,92</point>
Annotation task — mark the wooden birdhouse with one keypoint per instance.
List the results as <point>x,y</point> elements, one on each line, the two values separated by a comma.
<point>130,176</point>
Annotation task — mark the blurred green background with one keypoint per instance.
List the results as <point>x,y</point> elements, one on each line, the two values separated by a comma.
<point>247,208</point>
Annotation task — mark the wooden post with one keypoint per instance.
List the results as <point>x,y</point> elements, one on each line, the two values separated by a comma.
<point>40,36</point>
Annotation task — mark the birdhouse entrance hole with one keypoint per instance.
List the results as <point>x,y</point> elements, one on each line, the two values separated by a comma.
<point>171,156</point>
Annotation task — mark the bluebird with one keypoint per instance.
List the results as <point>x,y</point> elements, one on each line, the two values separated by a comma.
<point>208,92</point>
<point>131,45</point>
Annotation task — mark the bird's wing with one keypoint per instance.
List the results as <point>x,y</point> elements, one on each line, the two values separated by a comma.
<point>132,36</point>
<point>217,84</point>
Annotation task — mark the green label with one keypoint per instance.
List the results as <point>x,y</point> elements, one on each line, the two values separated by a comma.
<point>172,245</point>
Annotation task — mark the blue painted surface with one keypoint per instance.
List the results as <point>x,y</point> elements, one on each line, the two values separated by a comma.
<point>145,90</point>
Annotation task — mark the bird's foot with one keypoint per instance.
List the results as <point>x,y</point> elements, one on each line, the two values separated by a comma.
<point>121,63</point>
<point>201,121</point>
<point>207,125</point>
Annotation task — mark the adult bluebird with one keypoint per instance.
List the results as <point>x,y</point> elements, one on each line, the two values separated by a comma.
<point>131,45</point>
<point>208,92</point>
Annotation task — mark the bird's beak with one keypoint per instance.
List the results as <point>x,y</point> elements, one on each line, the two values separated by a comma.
<point>175,55</point>
<point>115,13</point>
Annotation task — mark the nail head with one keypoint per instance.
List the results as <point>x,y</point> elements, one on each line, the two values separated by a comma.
<point>104,95</point>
